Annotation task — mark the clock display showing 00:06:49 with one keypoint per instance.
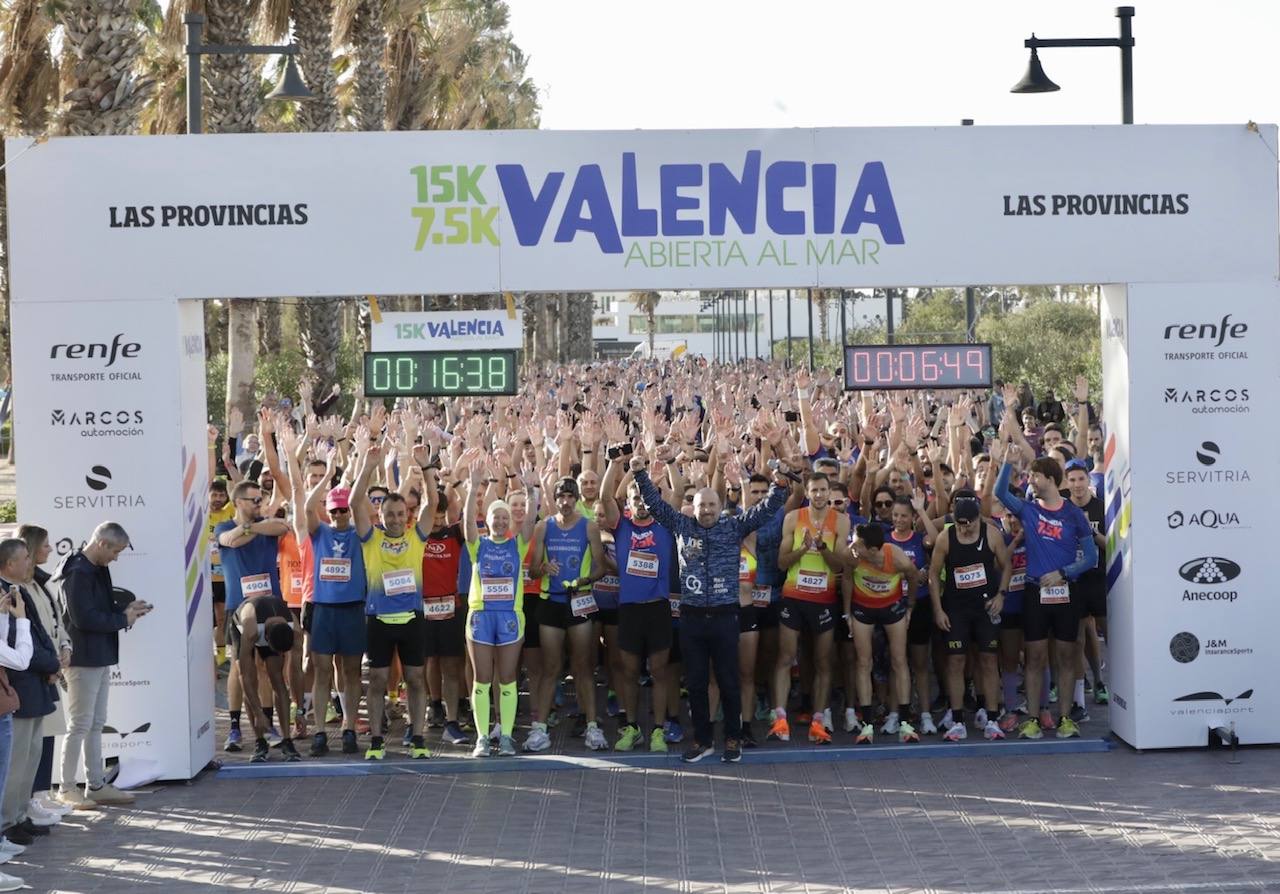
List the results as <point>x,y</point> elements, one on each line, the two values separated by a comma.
<point>439,373</point>
<point>917,366</point>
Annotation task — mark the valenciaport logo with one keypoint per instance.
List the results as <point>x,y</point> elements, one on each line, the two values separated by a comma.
<point>95,361</point>
<point>1209,572</point>
<point>126,740</point>
<point>1208,702</point>
<point>102,493</point>
<point>1207,341</point>
<point>99,422</point>
<point>1210,519</point>
<point>1209,457</point>
<point>1185,648</point>
<point>1209,400</point>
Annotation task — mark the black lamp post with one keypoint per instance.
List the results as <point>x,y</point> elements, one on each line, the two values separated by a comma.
<point>1036,81</point>
<point>290,85</point>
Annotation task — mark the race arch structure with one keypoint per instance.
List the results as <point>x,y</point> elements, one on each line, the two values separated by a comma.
<point>114,240</point>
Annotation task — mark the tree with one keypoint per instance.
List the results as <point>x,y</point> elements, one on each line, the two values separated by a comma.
<point>1048,344</point>
<point>933,316</point>
<point>647,304</point>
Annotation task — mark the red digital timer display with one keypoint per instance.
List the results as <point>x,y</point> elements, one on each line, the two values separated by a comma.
<point>875,367</point>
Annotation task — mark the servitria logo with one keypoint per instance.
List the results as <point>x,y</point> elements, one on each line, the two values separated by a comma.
<point>102,494</point>
<point>1213,471</point>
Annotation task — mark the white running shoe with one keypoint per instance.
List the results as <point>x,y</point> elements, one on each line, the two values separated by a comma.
<point>506,748</point>
<point>890,727</point>
<point>946,721</point>
<point>980,719</point>
<point>826,721</point>
<point>594,739</point>
<point>9,850</point>
<point>926,724</point>
<point>956,732</point>
<point>993,731</point>
<point>41,817</point>
<point>481,749</point>
<point>52,805</point>
<point>850,720</point>
<point>537,740</point>
<point>11,882</point>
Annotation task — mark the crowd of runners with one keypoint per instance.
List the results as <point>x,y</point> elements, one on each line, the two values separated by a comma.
<point>796,561</point>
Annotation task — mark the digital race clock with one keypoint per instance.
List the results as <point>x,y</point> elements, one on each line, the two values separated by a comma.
<point>439,373</point>
<point>873,367</point>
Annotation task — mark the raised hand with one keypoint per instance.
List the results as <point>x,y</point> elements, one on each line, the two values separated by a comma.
<point>1081,391</point>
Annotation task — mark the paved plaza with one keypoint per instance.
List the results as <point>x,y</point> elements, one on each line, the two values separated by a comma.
<point>1104,822</point>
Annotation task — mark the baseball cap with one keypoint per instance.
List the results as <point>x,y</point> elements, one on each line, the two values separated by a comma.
<point>566,486</point>
<point>966,506</point>
<point>339,498</point>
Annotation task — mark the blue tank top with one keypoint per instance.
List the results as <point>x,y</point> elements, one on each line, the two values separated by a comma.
<point>913,546</point>
<point>646,554</point>
<point>571,551</point>
<point>337,567</point>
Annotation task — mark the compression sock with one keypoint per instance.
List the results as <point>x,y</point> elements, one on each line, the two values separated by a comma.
<point>480,706</point>
<point>507,696</point>
<point>235,719</point>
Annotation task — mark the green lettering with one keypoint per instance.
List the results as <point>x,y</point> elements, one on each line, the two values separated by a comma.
<point>482,225</point>
<point>440,178</point>
<point>468,184</point>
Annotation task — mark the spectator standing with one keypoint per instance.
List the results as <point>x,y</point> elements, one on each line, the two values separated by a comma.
<point>13,617</point>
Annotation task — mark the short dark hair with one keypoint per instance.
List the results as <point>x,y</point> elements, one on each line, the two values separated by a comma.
<point>394,497</point>
<point>1048,466</point>
<point>757,478</point>
<point>241,490</point>
<point>817,476</point>
<point>1053,426</point>
<point>279,637</point>
<point>218,484</point>
<point>871,535</point>
<point>374,487</point>
<point>904,500</point>
<point>883,489</point>
<point>9,549</point>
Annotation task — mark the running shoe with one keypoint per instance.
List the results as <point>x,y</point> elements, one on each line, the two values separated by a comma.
<point>890,727</point>
<point>553,719</point>
<point>673,732</point>
<point>594,738</point>
<point>629,739</point>
<point>696,752</point>
<point>957,732</point>
<point>612,708</point>
<point>732,752</point>
<point>418,749</point>
<point>1079,713</point>
<point>319,745</point>
<point>865,735</point>
<point>926,724</point>
<point>907,733</point>
<point>980,719</point>
<point>946,721</point>
<point>407,739</point>
<point>349,743</point>
<point>818,734</point>
<point>482,748</point>
<point>537,740</point>
<point>1101,695</point>
<point>851,720</point>
<point>1009,721</point>
<point>657,743</point>
<point>1030,729</point>
<point>780,731</point>
<point>273,736</point>
<point>436,716</point>
<point>1067,729</point>
<point>1053,694</point>
<point>746,737</point>
<point>763,711</point>
<point>453,734</point>
<point>377,749</point>
<point>290,751</point>
<point>331,713</point>
<point>506,747</point>
<point>260,751</point>
<point>233,740</point>
<point>579,726</point>
<point>992,731</point>
<point>559,698</point>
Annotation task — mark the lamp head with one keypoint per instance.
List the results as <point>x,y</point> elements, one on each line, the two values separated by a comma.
<point>1035,80</point>
<point>291,85</point>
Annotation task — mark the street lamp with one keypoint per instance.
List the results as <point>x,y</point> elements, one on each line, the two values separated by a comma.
<point>1036,81</point>
<point>290,85</point>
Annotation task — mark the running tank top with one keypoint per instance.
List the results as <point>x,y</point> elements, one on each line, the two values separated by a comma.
<point>440,562</point>
<point>877,586</point>
<point>495,574</point>
<point>336,566</point>
<point>571,550</point>
<point>811,579</point>
<point>972,572</point>
<point>913,546</point>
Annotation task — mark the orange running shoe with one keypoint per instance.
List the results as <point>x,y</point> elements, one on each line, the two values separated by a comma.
<point>780,731</point>
<point>818,734</point>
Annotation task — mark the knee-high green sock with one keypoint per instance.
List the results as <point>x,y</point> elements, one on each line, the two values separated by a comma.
<point>480,707</point>
<point>507,706</point>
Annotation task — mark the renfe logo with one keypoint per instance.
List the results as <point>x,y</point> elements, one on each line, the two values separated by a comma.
<point>96,349</point>
<point>590,209</point>
<point>1216,332</point>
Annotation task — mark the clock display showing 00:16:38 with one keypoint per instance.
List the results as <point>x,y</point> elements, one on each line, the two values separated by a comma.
<point>918,366</point>
<point>439,373</point>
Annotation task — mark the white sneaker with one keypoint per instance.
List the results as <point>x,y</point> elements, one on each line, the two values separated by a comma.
<point>850,720</point>
<point>980,719</point>
<point>506,748</point>
<point>890,727</point>
<point>993,731</point>
<point>481,749</point>
<point>41,817</point>
<point>956,732</point>
<point>595,740</point>
<point>8,850</point>
<point>10,882</point>
<point>52,805</point>
<point>946,721</point>
<point>926,724</point>
<point>826,721</point>
<point>537,740</point>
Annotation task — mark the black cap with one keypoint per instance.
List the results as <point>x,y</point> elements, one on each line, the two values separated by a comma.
<point>965,505</point>
<point>566,486</point>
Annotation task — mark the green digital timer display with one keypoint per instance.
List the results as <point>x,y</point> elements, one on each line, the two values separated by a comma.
<point>439,373</point>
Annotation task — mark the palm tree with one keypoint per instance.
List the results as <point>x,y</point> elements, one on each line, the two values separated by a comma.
<point>647,304</point>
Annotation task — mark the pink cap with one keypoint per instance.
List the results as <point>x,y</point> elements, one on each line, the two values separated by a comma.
<point>339,498</point>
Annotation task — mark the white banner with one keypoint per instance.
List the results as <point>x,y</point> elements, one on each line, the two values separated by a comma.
<point>490,211</point>
<point>448,330</point>
<point>1203,402</point>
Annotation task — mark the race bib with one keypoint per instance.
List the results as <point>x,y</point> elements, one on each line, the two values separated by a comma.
<point>295,583</point>
<point>584,605</point>
<point>1059,595</point>
<point>1018,581</point>
<point>337,570</point>
<point>970,576</point>
<point>878,586</point>
<point>255,585</point>
<point>642,564</point>
<point>609,584</point>
<point>497,589</point>
<point>760,596</point>
<point>675,606</point>
<point>398,583</point>
<point>815,581</point>
<point>438,609</point>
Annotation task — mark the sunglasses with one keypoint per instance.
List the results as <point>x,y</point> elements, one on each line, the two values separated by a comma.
<point>376,500</point>
<point>338,509</point>
<point>838,502</point>
<point>734,489</point>
<point>257,501</point>
<point>880,504</point>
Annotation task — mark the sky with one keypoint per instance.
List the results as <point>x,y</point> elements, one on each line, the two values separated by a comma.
<point>659,64</point>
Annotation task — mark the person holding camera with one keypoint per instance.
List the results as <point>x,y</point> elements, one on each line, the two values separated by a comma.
<point>94,621</point>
